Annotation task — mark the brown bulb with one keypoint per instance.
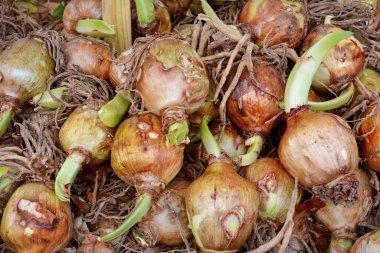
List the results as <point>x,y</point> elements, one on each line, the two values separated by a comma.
<point>92,58</point>
<point>275,185</point>
<point>83,132</point>
<point>35,221</point>
<point>142,156</point>
<point>342,220</point>
<point>172,76</point>
<point>254,103</point>
<point>343,63</point>
<point>167,218</point>
<point>276,21</point>
<point>25,67</point>
<point>222,208</point>
<point>76,10</point>
<point>320,149</point>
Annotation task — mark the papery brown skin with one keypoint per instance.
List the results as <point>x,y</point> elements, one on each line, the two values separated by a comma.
<point>368,243</point>
<point>276,21</point>
<point>370,145</point>
<point>84,132</point>
<point>251,108</point>
<point>218,200</point>
<point>342,64</point>
<point>342,220</point>
<point>43,225</point>
<point>318,148</point>
<point>142,156</point>
<point>172,76</point>
<point>91,57</point>
<point>76,10</point>
<point>116,75</point>
<point>159,225</point>
<point>176,6</point>
<point>25,67</point>
<point>275,185</point>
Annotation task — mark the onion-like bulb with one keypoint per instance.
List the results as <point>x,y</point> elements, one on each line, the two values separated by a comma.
<point>173,83</point>
<point>320,149</point>
<point>368,243</point>
<point>276,187</point>
<point>142,156</point>
<point>342,220</point>
<point>370,145</point>
<point>91,57</point>
<point>343,63</point>
<point>254,105</point>
<point>275,21</point>
<point>25,67</point>
<point>221,206</point>
<point>76,10</point>
<point>34,220</point>
<point>86,140</point>
<point>176,6</point>
<point>167,219</point>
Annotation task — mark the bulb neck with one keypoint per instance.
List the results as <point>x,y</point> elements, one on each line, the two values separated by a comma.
<point>175,121</point>
<point>223,159</point>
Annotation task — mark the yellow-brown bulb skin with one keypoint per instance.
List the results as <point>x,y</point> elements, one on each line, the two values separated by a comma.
<point>25,67</point>
<point>276,187</point>
<point>275,21</point>
<point>36,221</point>
<point>254,103</point>
<point>172,76</point>
<point>318,147</point>
<point>142,155</point>
<point>343,63</point>
<point>90,57</point>
<point>83,131</point>
<point>340,219</point>
<point>222,208</point>
<point>161,223</point>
